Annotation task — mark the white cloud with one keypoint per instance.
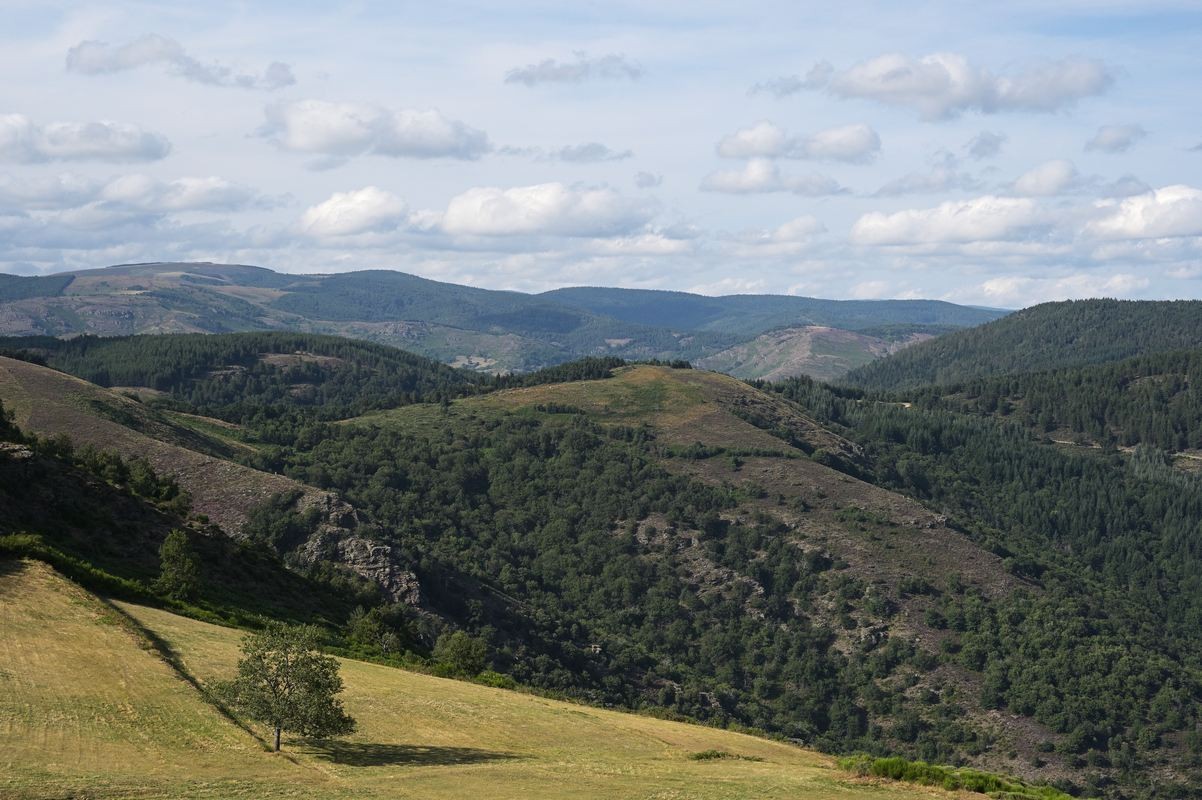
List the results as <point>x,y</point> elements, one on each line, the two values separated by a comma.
<point>46,192</point>
<point>341,130</point>
<point>97,58</point>
<point>870,290</point>
<point>789,238</point>
<point>24,141</point>
<point>1161,213</point>
<point>985,145</point>
<point>647,180</point>
<point>613,66</point>
<point>1061,177</point>
<point>943,85</point>
<point>1115,138</point>
<point>853,143</point>
<point>1014,290</point>
<point>590,153</point>
<point>182,194</point>
<point>366,210</point>
<point>786,85</point>
<point>942,177</point>
<point>126,192</point>
<point>1048,179</point>
<point>544,209</point>
<point>987,218</point>
<point>761,175</point>
<point>587,153</point>
<point>798,229</point>
<point>646,244</point>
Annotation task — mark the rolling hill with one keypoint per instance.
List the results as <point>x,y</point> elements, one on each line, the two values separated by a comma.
<point>483,330</point>
<point>1044,337</point>
<point>847,574</point>
<point>92,710</point>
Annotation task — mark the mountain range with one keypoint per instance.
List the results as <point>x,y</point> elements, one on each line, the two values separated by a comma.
<point>749,336</point>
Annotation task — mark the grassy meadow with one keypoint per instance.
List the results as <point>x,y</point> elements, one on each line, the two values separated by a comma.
<point>89,710</point>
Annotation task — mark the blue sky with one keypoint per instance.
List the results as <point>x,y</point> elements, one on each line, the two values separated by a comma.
<point>1005,157</point>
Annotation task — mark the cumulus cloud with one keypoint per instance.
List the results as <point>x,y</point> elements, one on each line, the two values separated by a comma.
<point>647,180</point>
<point>816,78</point>
<point>46,192</point>
<point>789,238</point>
<point>1115,138</point>
<point>98,58</point>
<point>942,177</point>
<point>1014,291</point>
<point>986,218</point>
<point>553,209</point>
<point>24,141</point>
<point>1167,212</point>
<point>1061,177</point>
<point>644,244</point>
<point>944,85</point>
<point>366,210</point>
<point>760,175</point>
<point>590,152</point>
<point>587,153</point>
<point>1049,179</point>
<point>342,130</point>
<point>126,192</point>
<point>852,143</point>
<point>182,194</point>
<point>985,145</point>
<point>613,66</point>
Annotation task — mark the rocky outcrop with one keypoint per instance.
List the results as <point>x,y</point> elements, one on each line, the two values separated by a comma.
<point>337,539</point>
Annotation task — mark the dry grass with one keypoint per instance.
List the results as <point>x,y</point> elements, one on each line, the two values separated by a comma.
<point>47,402</point>
<point>86,712</point>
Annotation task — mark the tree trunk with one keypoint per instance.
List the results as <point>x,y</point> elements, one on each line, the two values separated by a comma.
<point>277,738</point>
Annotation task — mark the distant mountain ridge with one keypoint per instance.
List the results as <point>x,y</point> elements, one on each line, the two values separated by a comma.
<point>481,329</point>
<point>1073,333</point>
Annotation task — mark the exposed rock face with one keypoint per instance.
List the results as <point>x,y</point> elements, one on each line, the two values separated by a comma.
<point>337,540</point>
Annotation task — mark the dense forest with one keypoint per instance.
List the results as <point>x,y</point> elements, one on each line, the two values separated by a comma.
<point>1043,337</point>
<point>572,551</point>
<point>1153,400</point>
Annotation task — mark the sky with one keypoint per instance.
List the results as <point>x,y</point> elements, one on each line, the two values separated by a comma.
<point>1037,151</point>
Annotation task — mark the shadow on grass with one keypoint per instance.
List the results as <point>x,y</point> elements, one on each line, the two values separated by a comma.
<point>367,754</point>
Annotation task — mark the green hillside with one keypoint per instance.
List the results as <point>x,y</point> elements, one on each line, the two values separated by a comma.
<point>850,574</point>
<point>1049,336</point>
<point>1153,400</point>
<point>90,710</point>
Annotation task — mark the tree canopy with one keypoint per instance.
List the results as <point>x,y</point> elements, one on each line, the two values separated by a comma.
<point>284,682</point>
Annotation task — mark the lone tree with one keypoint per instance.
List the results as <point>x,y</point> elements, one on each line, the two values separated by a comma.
<point>285,682</point>
<point>179,568</point>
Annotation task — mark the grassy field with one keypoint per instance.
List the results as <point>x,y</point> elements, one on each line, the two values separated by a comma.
<point>88,711</point>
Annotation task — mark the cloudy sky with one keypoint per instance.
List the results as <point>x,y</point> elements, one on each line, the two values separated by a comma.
<point>1043,151</point>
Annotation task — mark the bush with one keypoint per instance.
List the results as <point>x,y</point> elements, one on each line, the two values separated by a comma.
<point>460,653</point>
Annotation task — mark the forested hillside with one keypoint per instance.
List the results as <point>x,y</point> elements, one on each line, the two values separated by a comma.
<point>666,538</point>
<point>1049,336</point>
<point>1151,400</point>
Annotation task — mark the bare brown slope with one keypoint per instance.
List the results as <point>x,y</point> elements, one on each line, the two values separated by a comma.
<point>814,350</point>
<point>49,403</point>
